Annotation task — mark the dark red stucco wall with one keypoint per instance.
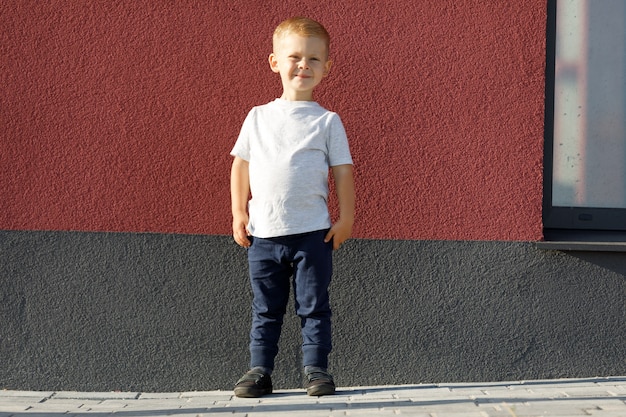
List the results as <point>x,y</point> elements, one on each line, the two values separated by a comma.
<point>119,116</point>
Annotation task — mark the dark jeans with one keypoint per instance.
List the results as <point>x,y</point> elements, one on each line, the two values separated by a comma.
<point>273,262</point>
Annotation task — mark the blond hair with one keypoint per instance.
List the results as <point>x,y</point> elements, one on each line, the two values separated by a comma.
<point>302,26</point>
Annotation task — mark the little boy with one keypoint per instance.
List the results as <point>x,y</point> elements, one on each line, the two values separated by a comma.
<point>282,159</point>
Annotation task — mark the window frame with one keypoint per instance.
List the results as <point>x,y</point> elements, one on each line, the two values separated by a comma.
<point>588,224</point>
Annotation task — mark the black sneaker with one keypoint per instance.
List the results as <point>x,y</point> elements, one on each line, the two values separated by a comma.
<point>253,384</point>
<point>319,383</point>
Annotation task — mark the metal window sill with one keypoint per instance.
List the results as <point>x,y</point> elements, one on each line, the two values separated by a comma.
<point>583,246</point>
<point>583,240</point>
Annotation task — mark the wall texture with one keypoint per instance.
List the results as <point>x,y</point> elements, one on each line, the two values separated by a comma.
<point>155,312</point>
<point>120,116</point>
<point>117,269</point>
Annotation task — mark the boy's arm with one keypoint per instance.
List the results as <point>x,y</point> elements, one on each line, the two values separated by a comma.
<point>239,193</point>
<point>344,186</point>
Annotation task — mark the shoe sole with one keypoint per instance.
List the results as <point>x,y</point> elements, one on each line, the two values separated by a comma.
<point>319,390</point>
<point>247,392</point>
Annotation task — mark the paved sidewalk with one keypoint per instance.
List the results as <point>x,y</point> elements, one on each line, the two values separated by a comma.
<point>605,397</point>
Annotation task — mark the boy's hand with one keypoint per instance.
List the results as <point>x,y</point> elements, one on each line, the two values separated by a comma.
<point>240,231</point>
<point>239,192</point>
<point>339,233</point>
<point>344,184</point>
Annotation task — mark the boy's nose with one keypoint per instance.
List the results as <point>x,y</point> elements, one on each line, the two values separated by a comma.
<point>303,63</point>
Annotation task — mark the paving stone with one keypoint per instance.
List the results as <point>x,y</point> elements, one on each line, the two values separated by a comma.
<point>220,394</point>
<point>372,412</point>
<point>16,403</point>
<point>108,405</point>
<point>601,397</point>
<point>159,395</point>
<point>97,395</point>
<point>34,394</point>
<point>174,404</point>
<point>611,405</point>
<point>64,405</point>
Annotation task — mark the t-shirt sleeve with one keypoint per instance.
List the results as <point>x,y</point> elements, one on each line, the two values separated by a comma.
<point>338,148</point>
<point>242,145</point>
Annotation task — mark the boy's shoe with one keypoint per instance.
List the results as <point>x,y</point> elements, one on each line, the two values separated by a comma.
<point>319,383</point>
<point>253,384</point>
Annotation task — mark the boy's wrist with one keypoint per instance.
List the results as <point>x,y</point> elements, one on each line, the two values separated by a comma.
<point>240,217</point>
<point>348,220</point>
<point>239,211</point>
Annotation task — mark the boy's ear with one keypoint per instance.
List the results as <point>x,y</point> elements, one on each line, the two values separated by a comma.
<point>327,66</point>
<point>273,62</point>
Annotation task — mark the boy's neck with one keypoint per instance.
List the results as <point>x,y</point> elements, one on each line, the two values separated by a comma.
<point>297,96</point>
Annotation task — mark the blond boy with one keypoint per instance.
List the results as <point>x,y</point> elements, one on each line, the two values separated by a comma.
<point>282,158</point>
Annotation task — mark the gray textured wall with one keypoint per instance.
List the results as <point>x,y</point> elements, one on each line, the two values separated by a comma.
<point>109,311</point>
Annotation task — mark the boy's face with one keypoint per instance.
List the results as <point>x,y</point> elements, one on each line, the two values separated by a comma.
<point>302,62</point>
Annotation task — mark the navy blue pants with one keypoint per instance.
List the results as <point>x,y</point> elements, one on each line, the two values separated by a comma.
<point>273,263</point>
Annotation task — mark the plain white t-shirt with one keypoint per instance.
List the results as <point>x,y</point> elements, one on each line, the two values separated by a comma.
<point>290,146</point>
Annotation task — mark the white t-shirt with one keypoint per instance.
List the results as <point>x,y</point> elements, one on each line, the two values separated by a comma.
<point>290,146</point>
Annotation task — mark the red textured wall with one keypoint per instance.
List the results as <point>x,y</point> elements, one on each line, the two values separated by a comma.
<point>119,116</point>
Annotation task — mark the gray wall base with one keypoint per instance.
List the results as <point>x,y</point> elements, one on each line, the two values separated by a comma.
<point>117,311</point>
